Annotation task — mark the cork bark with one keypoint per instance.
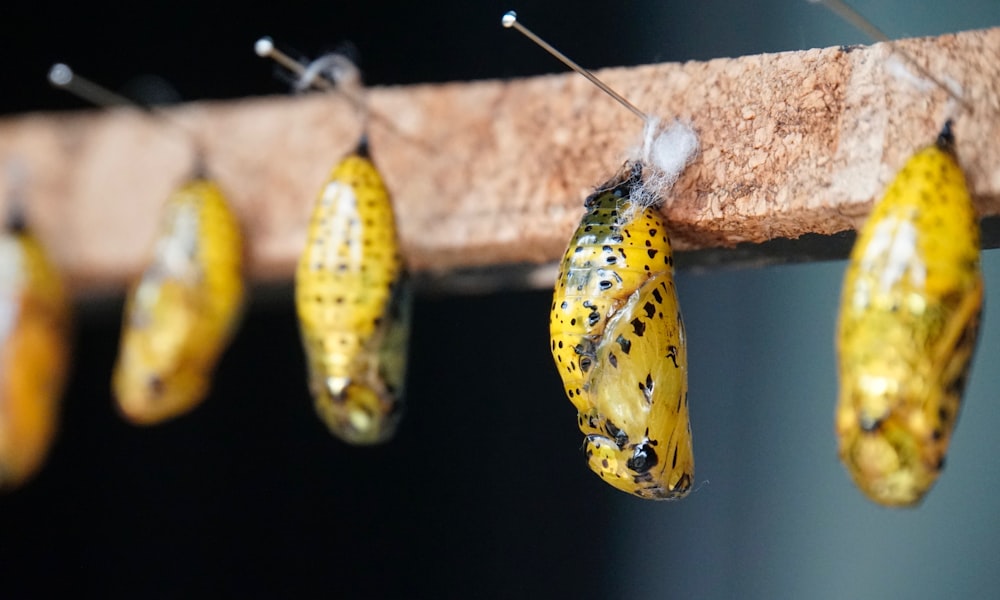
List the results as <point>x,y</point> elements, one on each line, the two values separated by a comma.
<point>489,174</point>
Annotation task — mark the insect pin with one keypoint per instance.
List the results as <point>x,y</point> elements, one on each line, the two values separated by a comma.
<point>183,310</point>
<point>909,320</point>
<point>351,296</point>
<point>617,336</point>
<point>34,353</point>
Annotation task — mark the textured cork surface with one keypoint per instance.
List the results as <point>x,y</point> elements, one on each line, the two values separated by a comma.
<point>493,173</point>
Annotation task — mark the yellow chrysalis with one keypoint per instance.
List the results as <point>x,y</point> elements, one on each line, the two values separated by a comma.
<point>351,295</point>
<point>617,336</point>
<point>34,356</point>
<point>618,342</point>
<point>909,319</point>
<point>352,305</point>
<point>183,311</point>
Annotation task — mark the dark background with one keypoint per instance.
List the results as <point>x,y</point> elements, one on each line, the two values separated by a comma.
<point>483,493</point>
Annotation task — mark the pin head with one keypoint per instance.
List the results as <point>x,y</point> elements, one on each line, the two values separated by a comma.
<point>264,46</point>
<point>60,74</point>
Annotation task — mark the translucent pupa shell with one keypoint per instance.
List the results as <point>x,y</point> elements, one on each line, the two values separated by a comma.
<point>183,311</point>
<point>909,318</point>
<point>617,338</point>
<point>34,353</point>
<point>353,305</point>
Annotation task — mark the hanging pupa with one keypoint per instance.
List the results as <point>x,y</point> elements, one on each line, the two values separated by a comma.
<point>351,295</point>
<point>183,311</point>
<point>617,336</point>
<point>909,319</point>
<point>34,350</point>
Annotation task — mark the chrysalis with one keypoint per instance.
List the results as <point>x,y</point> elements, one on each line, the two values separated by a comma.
<point>618,342</point>
<point>617,336</point>
<point>352,304</point>
<point>909,319</point>
<point>183,311</point>
<point>34,356</point>
<point>351,295</point>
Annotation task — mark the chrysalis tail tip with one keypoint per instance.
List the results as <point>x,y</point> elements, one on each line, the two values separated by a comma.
<point>946,139</point>
<point>362,149</point>
<point>14,220</point>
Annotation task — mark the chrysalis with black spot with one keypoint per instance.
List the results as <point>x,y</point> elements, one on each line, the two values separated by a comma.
<point>353,304</point>
<point>909,319</point>
<point>34,352</point>
<point>182,312</point>
<point>618,342</point>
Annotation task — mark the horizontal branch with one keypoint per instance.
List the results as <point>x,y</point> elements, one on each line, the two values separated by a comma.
<point>493,173</point>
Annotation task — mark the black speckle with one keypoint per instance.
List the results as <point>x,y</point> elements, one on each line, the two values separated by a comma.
<point>672,355</point>
<point>626,345</point>
<point>647,389</point>
<point>613,360</point>
<point>604,283</point>
<point>621,438</point>
<point>638,326</point>
<point>156,386</point>
<point>651,253</point>
<point>657,296</point>
<point>650,309</point>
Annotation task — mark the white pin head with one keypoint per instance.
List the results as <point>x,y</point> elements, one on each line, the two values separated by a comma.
<point>60,75</point>
<point>263,47</point>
